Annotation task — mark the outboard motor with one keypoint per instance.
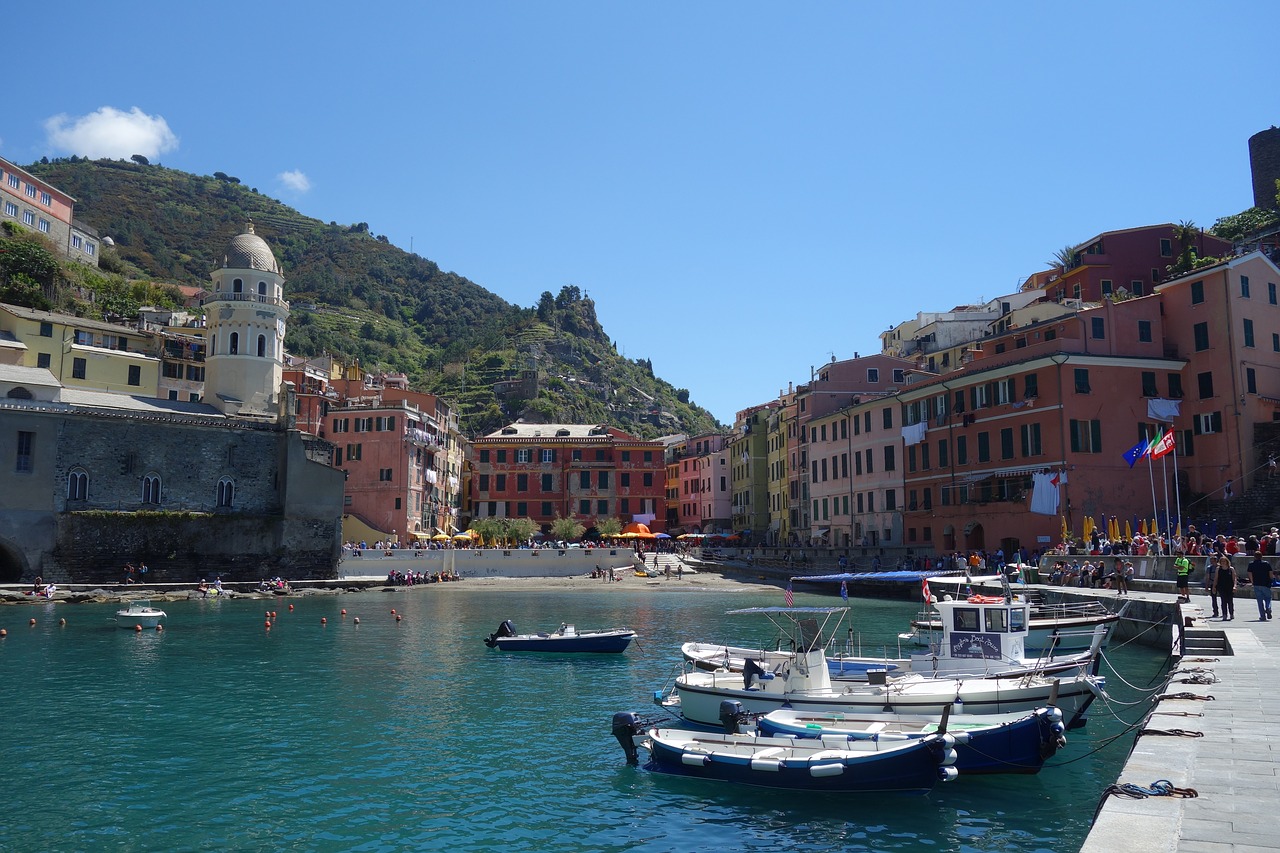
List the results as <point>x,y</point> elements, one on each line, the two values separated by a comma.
<point>750,672</point>
<point>506,629</point>
<point>732,717</point>
<point>626,725</point>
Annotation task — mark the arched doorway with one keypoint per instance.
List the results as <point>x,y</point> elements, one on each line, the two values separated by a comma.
<point>974,537</point>
<point>12,565</point>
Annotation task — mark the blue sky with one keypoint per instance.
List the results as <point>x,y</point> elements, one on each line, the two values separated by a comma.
<point>745,189</point>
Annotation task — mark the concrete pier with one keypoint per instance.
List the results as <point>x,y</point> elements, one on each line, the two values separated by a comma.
<point>1234,767</point>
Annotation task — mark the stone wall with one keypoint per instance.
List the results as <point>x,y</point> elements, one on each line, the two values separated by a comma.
<point>93,547</point>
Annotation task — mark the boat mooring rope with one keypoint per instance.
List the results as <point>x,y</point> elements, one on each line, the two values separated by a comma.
<point>1194,696</point>
<point>1197,676</point>
<point>1170,732</point>
<point>1159,788</point>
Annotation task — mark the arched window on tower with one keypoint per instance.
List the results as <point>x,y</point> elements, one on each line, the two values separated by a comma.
<point>262,291</point>
<point>234,348</point>
<point>237,286</point>
<point>213,345</point>
<point>151,489</point>
<point>78,485</point>
<point>226,492</point>
<point>262,345</point>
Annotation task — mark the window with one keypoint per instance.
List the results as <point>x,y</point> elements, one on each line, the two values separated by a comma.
<point>899,376</point>
<point>78,485</point>
<point>1144,331</point>
<point>1006,443</point>
<point>499,482</point>
<point>1205,424</point>
<point>26,441</point>
<point>603,479</point>
<point>484,483</point>
<point>1166,247</point>
<point>584,479</point>
<point>355,451</point>
<point>1175,386</point>
<point>546,482</point>
<point>1197,292</point>
<point>1201,331</point>
<point>1031,386</point>
<point>78,366</point>
<point>1250,380</point>
<point>888,418</point>
<point>43,226</point>
<point>1106,287</point>
<point>31,191</point>
<point>943,454</point>
<point>1082,380</point>
<point>648,478</point>
<point>151,489</point>
<point>524,454</point>
<point>90,248</point>
<point>1149,384</point>
<point>234,348</point>
<point>924,458</point>
<point>484,456</point>
<point>262,346</point>
<point>962,450</point>
<point>1031,440</point>
<point>584,507</point>
<point>1099,328</point>
<point>890,463</point>
<point>522,484</point>
<point>1205,383</point>
<point>226,492</point>
<point>28,218</point>
<point>10,209</point>
<point>602,507</point>
<point>1244,286</point>
<point>546,509</point>
<point>43,359</point>
<point>984,447</point>
<point>1271,292</point>
<point>873,374</point>
<point>547,455</point>
<point>1086,436</point>
<point>13,181</point>
<point>135,374</point>
<point>1275,341</point>
<point>46,199</point>
<point>1248,333</point>
<point>384,475</point>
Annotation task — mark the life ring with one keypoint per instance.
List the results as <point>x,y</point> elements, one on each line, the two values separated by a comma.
<point>986,599</point>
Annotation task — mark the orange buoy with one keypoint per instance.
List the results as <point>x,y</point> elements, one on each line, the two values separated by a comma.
<point>273,614</point>
<point>62,623</point>
<point>290,606</point>
<point>32,622</point>
<point>324,621</point>
<point>137,629</point>
<point>159,628</point>
<point>344,611</point>
<point>397,617</point>
<point>393,611</point>
<point>4,632</point>
<point>267,614</point>
<point>268,624</point>
<point>356,620</point>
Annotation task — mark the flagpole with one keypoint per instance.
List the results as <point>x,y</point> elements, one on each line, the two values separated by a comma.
<point>1177,494</point>
<point>1151,475</point>
<point>1168,529</point>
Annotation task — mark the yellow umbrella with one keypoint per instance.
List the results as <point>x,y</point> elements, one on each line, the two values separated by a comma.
<point>440,537</point>
<point>1066,534</point>
<point>1153,528</point>
<point>1128,529</point>
<point>1177,534</point>
<point>1142,526</point>
<point>1114,529</point>
<point>1088,526</point>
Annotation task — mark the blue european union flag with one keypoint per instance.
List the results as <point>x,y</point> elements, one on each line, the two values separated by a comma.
<point>1133,454</point>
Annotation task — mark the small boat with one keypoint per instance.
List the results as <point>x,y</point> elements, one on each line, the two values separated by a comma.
<point>832,763</point>
<point>140,613</point>
<point>566,638</point>
<point>992,743</point>
<point>802,681</point>
<point>982,636</point>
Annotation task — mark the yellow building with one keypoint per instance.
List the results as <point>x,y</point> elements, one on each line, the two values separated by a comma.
<point>84,353</point>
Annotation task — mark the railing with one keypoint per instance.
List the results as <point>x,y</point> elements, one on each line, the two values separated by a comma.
<point>245,297</point>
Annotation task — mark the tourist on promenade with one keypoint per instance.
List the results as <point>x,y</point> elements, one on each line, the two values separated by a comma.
<point>1182,568</point>
<point>1119,579</point>
<point>1210,564</point>
<point>1225,581</point>
<point>1260,575</point>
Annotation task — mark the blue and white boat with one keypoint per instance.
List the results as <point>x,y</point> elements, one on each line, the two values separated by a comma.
<point>567,638</point>
<point>832,763</point>
<point>1020,742</point>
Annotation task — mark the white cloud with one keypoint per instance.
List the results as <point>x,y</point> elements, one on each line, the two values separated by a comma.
<point>109,132</point>
<point>295,179</point>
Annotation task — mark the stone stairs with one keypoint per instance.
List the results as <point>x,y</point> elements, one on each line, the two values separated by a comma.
<point>1205,642</point>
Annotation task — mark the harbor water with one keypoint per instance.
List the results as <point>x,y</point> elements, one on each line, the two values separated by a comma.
<point>410,734</point>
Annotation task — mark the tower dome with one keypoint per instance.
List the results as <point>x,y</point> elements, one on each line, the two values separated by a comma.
<point>248,251</point>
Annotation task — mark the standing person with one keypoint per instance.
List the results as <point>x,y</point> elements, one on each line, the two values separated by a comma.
<point>1227,491</point>
<point>1225,581</point>
<point>1271,465</point>
<point>1182,568</point>
<point>1210,563</point>
<point>1260,574</point>
<point>1118,578</point>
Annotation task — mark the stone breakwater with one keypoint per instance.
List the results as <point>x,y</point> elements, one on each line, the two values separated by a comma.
<point>98,595</point>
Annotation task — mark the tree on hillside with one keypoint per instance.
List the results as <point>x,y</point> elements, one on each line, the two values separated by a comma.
<point>140,160</point>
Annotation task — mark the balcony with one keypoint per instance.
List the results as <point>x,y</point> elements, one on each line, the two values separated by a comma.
<point>260,298</point>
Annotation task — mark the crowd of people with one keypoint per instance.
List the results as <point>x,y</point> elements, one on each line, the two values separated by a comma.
<point>395,577</point>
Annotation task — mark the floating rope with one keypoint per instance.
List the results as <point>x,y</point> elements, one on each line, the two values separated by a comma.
<point>1159,788</point>
<point>1185,696</point>
<point>1170,732</point>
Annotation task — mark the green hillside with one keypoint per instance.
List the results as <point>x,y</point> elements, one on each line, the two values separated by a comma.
<point>356,296</point>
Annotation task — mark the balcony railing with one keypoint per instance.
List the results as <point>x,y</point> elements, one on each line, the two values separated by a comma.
<point>245,297</point>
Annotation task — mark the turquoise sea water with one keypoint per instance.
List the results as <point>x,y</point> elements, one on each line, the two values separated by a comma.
<point>412,735</point>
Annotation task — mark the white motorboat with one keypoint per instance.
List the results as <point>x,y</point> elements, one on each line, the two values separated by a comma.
<point>980,635</point>
<point>802,681</point>
<point>140,613</point>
